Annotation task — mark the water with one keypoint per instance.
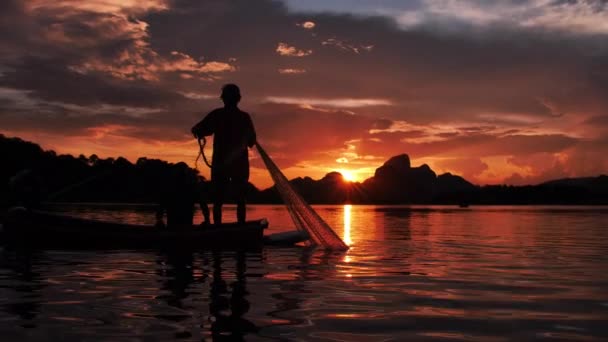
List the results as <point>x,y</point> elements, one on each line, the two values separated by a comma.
<point>417,273</point>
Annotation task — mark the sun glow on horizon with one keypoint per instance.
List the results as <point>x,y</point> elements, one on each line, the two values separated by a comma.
<point>348,175</point>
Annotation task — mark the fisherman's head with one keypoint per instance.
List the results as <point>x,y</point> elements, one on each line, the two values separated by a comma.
<point>231,94</point>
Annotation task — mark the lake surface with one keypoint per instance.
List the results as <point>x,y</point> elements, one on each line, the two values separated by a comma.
<point>412,273</point>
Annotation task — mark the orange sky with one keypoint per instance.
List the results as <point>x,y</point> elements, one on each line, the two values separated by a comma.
<point>497,92</point>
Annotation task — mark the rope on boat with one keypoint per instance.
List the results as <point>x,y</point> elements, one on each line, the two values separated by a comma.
<point>201,152</point>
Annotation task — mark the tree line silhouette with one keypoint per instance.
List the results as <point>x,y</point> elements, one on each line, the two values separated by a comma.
<point>82,179</point>
<point>66,178</point>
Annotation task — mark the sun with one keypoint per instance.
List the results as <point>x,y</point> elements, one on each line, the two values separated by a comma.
<point>348,175</point>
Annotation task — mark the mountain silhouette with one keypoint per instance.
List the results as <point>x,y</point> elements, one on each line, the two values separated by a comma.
<point>394,182</point>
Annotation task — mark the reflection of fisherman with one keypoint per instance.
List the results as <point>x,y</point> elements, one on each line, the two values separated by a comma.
<point>180,191</point>
<point>178,277</point>
<point>25,189</point>
<point>233,132</point>
<point>232,327</point>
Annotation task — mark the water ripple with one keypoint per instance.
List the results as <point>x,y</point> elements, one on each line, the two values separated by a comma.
<point>488,274</point>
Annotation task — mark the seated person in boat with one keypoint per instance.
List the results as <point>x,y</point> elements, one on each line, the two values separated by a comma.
<point>25,189</point>
<point>180,191</point>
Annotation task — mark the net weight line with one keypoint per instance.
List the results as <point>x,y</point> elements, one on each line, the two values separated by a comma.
<point>303,215</point>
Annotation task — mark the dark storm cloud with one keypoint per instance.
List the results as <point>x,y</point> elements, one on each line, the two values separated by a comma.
<point>51,80</point>
<point>427,75</point>
<point>423,72</point>
<point>75,121</point>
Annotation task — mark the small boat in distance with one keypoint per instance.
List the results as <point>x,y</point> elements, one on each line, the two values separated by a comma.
<point>52,230</point>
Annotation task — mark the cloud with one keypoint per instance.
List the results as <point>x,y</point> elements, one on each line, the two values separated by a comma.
<point>581,17</point>
<point>340,103</point>
<point>107,37</point>
<point>601,120</point>
<point>183,62</point>
<point>51,80</point>
<point>479,145</point>
<point>583,160</point>
<point>309,25</point>
<point>291,71</point>
<point>284,49</point>
<point>345,46</point>
<point>103,6</point>
<point>470,168</point>
<point>294,134</point>
<point>138,60</point>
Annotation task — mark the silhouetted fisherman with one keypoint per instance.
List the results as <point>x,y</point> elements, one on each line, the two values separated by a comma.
<point>233,133</point>
<point>179,192</point>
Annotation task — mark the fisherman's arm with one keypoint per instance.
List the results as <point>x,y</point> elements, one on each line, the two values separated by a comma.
<point>206,126</point>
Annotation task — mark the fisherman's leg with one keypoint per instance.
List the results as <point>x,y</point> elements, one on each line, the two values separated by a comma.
<point>205,211</point>
<point>241,210</point>
<point>240,183</point>
<point>217,213</point>
<point>203,200</point>
<point>218,201</point>
<point>219,182</point>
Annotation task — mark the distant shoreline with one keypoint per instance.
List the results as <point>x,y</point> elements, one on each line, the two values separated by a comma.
<point>92,180</point>
<point>152,205</point>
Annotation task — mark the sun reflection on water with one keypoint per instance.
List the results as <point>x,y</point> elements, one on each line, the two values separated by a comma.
<point>347,220</point>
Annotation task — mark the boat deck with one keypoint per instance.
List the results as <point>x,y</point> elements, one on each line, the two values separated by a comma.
<point>46,229</point>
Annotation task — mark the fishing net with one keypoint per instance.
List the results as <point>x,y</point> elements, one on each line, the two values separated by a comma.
<point>303,215</point>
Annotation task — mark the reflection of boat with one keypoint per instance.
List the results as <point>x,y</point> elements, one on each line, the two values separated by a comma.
<point>46,229</point>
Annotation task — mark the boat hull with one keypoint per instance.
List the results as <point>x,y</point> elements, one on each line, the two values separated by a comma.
<point>51,230</point>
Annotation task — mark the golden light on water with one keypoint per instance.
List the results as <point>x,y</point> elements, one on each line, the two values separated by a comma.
<point>347,220</point>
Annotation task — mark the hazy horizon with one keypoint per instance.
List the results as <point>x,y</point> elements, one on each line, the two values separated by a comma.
<point>349,177</point>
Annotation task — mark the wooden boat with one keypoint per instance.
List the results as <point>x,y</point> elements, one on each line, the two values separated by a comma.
<point>52,230</point>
